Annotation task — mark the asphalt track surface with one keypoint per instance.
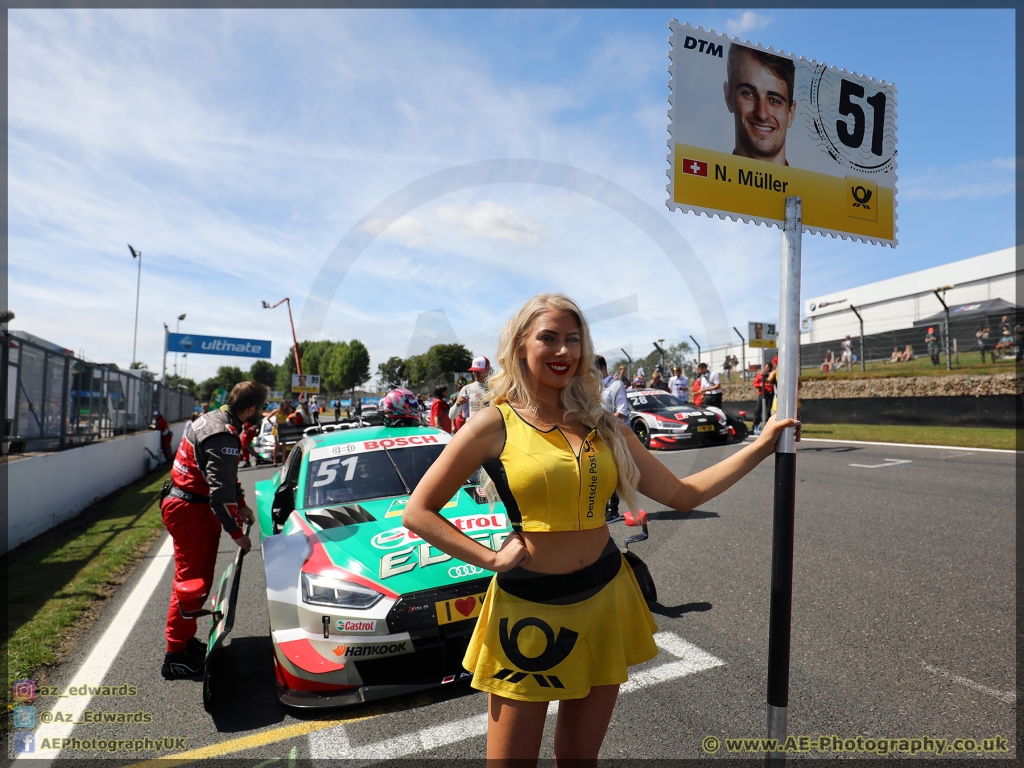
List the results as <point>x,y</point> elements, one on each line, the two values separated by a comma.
<point>903,627</point>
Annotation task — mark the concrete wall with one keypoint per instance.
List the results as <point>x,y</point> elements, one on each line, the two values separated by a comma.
<point>46,490</point>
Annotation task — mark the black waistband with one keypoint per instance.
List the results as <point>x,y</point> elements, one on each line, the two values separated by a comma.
<point>191,498</point>
<point>563,588</point>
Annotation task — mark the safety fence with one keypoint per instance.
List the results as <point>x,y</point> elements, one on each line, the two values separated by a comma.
<point>54,400</point>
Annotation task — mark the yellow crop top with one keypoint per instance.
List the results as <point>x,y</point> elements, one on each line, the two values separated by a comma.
<point>544,485</point>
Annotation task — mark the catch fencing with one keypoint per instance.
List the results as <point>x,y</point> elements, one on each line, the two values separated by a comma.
<point>54,400</point>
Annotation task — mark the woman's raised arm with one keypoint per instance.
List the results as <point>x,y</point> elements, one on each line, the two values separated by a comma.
<point>657,481</point>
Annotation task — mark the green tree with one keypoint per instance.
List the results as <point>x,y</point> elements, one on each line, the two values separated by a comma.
<point>393,373</point>
<point>265,372</point>
<point>175,381</point>
<point>449,359</point>
<point>349,365</point>
<point>205,389</point>
<point>229,375</point>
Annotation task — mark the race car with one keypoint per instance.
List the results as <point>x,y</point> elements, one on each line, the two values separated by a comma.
<point>262,446</point>
<point>360,607</point>
<point>371,415</point>
<point>661,420</point>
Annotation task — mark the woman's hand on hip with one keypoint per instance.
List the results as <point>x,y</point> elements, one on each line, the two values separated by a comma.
<point>512,554</point>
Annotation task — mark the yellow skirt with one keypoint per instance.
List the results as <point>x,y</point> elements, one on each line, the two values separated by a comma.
<point>543,637</point>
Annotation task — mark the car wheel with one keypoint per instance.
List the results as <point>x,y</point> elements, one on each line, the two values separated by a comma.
<point>643,432</point>
<point>741,429</point>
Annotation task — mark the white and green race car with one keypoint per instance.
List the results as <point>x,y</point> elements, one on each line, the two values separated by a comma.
<point>361,608</point>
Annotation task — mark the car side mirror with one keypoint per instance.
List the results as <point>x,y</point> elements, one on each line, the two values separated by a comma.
<point>283,504</point>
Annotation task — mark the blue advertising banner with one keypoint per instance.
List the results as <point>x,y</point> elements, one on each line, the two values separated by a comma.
<point>216,345</point>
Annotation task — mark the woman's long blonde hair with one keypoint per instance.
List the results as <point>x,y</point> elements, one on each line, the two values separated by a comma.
<point>581,397</point>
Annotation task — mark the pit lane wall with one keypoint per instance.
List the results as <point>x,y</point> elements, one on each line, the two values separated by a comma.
<point>957,400</point>
<point>46,490</point>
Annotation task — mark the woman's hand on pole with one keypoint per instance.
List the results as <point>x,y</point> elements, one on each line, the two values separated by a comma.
<point>772,429</point>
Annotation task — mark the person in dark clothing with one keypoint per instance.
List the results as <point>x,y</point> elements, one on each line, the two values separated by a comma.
<point>203,498</point>
<point>932,341</point>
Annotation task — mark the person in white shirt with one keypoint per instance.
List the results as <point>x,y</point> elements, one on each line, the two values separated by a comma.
<point>846,360</point>
<point>710,386</point>
<point>472,396</point>
<point>613,400</point>
<point>679,384</point>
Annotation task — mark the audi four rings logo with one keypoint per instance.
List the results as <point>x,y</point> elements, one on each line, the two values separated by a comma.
<point>459,571</point>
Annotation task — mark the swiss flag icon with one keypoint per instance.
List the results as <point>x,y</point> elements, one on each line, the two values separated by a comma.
<point>695,167</point>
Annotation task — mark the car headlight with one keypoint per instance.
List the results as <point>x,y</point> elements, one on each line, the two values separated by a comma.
<point>672,426</point>
<point>321,590</point>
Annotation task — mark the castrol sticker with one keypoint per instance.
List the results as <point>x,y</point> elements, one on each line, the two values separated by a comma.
<point>401,536</point>
<point>356,625</point>
<point>368,446</point>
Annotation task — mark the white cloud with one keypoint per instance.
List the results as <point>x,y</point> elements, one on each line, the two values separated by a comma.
<point>487,219</point>
<point>967,181</point>
<point>747,22</point>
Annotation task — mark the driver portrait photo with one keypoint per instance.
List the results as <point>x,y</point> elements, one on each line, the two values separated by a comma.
<point>758,330</point>
<point>302,380</point>
<point>759,94</point>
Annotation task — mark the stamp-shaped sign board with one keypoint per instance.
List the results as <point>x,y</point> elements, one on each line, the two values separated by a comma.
<point>750,126</point>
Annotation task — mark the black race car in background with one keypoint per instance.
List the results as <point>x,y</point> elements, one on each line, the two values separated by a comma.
<point>661,420</point>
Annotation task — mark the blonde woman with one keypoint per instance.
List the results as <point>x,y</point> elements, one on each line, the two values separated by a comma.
<point>564,617</point>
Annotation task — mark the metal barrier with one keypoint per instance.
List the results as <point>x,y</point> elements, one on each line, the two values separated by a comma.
<point>53,401</point>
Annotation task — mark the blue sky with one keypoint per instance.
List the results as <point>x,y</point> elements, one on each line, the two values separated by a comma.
<point>235,149</point>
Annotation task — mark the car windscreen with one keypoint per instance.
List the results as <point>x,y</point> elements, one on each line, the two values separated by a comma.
<point>652,403</point>
<point>368,475</point>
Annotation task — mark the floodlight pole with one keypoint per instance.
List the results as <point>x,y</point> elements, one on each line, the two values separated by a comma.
<point>780,611</point>
<point>949,362</point>
<point>863,362</point>
<point>743,351</point>
<point>629,367</point>
<point>138,286</point>
<point>295,342</point>
<point>163,376</point>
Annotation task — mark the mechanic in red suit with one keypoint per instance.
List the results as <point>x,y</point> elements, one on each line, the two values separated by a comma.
<point>203,497</point>
<point>248,433</point>
<point>161,424</point>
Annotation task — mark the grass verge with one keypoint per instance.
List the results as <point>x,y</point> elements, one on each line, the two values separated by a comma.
<point>970,364</point>
<point>59,582</point>
<point>966,437</point>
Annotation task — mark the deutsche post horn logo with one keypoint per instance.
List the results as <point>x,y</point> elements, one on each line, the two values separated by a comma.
<point>861,196</point>
<point>555,649</point>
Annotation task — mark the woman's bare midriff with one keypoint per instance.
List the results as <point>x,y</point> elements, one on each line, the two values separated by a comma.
<point>564,551</point>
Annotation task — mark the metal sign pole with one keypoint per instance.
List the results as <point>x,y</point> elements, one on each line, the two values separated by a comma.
<point>780,612</point>
<point>743,352</point>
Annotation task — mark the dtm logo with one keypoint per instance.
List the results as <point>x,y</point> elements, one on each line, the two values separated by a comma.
<point>229,451</point>
<point>461,571</point>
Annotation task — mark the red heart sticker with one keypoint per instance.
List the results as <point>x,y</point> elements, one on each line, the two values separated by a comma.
<point>466,605</point>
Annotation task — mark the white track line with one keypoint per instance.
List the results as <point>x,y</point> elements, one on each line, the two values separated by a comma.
<point>94,670</point>
<point>1008,697</point>
<point>905,445</point>
<point>333,744</point>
